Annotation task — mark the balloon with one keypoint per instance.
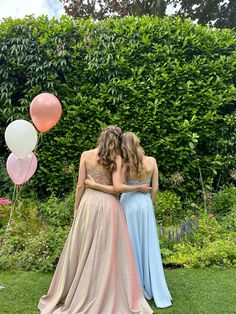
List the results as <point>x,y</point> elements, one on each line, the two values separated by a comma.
<point>21,138</point>
<point>21,170</point>
<point>45,111</point>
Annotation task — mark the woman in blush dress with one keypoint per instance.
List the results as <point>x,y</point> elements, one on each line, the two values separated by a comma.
<point>96,272</point>
<point>140,218</point>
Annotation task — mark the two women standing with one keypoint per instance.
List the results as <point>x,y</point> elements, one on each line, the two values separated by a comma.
<point>138,169</point>
<point>96,273</point>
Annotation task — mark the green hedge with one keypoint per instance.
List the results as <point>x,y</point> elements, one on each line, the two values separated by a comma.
<point>169,80</point>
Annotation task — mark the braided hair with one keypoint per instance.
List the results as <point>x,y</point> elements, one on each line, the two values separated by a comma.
<point>109,144</point>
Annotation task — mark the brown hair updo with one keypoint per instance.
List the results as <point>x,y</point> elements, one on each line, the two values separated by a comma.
<point>109,143</point>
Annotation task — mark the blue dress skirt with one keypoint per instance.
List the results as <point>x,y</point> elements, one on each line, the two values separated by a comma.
<point>142,229</point>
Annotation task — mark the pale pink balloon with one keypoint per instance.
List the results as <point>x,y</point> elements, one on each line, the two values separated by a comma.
<point>45,111</point>
<point>21,170</point>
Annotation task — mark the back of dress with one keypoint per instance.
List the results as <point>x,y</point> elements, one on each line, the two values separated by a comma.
<point>96,272</point>
<point>99,173</point>
<point>100,176</point>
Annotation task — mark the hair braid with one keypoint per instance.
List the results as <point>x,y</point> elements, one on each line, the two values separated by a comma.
<point>109,146</point>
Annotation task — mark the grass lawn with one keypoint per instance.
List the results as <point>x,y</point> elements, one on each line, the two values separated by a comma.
<point>211,291</point>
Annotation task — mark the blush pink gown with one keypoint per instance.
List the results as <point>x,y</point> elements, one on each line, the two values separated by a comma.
<point>96,273</point>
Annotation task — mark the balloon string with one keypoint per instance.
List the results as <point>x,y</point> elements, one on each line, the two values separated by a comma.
<point>16,192</point>
<point>40,139</point>
<point>10,221</point>
<point>19,188</point>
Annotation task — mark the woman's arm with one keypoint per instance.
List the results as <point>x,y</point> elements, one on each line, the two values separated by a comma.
<point>80,184</point>
<point>118,185</point>
<point>155,182</point>
<point>90,183</point>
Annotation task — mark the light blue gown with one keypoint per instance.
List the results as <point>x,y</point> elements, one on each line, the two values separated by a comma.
<point>142,229</point>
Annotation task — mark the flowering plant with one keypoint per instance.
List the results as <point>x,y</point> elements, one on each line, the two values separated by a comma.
<point>5,201</point>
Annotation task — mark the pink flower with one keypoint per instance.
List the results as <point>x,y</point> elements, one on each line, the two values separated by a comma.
<point>5,201</point>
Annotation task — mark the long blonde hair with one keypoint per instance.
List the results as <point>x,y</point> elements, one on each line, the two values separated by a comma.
<point>109,146</point>
<point>132,154</point>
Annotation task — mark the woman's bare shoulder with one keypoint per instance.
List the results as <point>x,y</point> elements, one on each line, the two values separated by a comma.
<point>150,159</point>
<point>89,153</point>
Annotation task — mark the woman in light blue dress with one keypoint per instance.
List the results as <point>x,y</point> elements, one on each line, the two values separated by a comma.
<point>140,218</point>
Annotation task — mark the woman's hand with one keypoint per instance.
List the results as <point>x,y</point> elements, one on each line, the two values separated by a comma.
<point>145,188</point>
<point>89,182</point>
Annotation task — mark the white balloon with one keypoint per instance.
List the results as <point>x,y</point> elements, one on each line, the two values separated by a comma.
<point>21,138</point>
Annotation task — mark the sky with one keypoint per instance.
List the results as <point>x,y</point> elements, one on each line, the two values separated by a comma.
<point>20,8</point>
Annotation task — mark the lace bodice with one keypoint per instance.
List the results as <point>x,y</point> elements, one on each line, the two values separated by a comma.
<point>100,176</point>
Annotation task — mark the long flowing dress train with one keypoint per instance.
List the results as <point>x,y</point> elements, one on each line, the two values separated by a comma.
<point>142,229</point>
<point>96,273</point>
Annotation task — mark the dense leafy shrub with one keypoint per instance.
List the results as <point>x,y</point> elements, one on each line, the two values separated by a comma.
<point>6,188</point>
<point>57,212</point>
<point>212,243</point>
<point>168,208</point>
<point>38,233</point>
<point>34,252</point>
<point>219,253</point>
<point>229,221</point>
<point>170,81</point>
<point>223,201</point>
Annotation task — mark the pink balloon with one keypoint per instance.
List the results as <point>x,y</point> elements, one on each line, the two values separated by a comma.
<point>21,170</point>
<point>45,111</point>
